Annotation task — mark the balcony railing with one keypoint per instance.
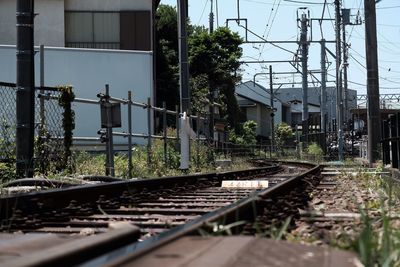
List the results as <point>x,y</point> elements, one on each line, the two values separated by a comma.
<point>95,45</point>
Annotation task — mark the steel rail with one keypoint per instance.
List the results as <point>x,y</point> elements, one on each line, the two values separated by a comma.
<point>54,199</point>
<point>241,210</point>
<point>58,199</point>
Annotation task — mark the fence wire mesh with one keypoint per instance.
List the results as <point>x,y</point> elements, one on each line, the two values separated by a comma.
<point>49,150</point>
<point>49,132</point>
<point>8,122</point>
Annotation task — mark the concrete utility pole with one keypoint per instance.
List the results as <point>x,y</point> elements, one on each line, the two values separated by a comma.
<point>345,85</point>
<point>339,89</point>
<point>25,88</point>
<point>184,84</point>
<point>371,48</point>
<point>183,56</point>
<point>211,90</point>
<point>304,61</point>
<point>211,18</point>
<point>272,107</point>
<point>323,86</point>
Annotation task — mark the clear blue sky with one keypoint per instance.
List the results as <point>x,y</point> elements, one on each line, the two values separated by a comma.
<point>277,20</point>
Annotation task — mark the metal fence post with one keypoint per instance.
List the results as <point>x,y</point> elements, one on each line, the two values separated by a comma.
<point>198,139</point>
<point>165,132</point>
<point>393,134</point>
<point>385,142</point>
<point>148,131</point>
<point>110,151</point>
<point>42,118</point>
<point>397,118</point>
<point>42,127</point>
<point>130,134</point>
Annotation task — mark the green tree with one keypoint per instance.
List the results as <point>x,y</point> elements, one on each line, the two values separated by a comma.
<point>216,55</point>
<point>167,82</point>
<point>214,63</point>
<point>199,86</point>
<point>247,135</point>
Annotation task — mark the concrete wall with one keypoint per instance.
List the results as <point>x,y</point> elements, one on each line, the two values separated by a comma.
<point>261,95</point>
<point>261,115</point>
<point>49,23</point>
<point>88,71</point>
<point>108,5</point>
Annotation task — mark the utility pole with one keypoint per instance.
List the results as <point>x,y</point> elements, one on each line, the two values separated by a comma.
<point>184,84</point>
<point>272,107</point>
<point>25,88</point>
<point>345,85</point>
<point>371,48</point>
<point>323,86</point>
<point>183,56</point>
<point>211,18</point>
<point>339,89</point>
<point>211,89</point>
<point>304,60</point>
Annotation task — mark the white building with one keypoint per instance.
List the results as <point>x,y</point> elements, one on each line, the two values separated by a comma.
<point>89,43</point>
<point>109,24</point>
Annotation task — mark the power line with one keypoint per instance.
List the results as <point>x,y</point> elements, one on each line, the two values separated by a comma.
<point>273,19</point>
<point>389,25</point>
<point>380,77</point>
<point>270,27</point>
<point>303,2</point>
<point>202,13</point>
<point>263,3</point>
<point>388,7</point>
<point>271,43</point>
<point>269,18</point>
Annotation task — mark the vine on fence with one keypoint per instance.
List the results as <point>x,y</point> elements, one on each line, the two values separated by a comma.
<point>65,99</point>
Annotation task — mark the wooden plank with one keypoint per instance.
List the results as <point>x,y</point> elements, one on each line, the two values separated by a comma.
<point>242,251</point>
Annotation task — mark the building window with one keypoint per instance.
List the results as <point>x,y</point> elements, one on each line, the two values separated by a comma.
<point>92,30</point>
<point>128,30</point>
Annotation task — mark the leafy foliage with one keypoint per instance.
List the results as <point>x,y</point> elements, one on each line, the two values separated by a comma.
<point>66,97</point>
<point>216,56</point>
<point>200,92</point>
<point>247,134</point>
<point>316,151</point>
<point>7,172</point>
<point>214,64</point>
<point>167,83</point>
<point>283,132</point>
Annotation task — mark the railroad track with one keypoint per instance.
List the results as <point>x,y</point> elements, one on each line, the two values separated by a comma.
<point>152,211</point>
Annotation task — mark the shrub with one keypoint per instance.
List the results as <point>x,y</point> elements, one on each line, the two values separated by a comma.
<point>316,151</point>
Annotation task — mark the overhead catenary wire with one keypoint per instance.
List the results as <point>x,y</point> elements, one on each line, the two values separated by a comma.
<point>269,42</point>
<point>303,2</point>
<point>202,13</point>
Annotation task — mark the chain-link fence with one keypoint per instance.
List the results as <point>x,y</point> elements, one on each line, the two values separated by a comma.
<point>8,117</point>
<point>49,131</point>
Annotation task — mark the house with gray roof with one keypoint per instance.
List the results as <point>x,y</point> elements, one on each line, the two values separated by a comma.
<point>254,100</point>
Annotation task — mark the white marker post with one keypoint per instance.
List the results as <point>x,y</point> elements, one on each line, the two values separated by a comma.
<point>185,133</point>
